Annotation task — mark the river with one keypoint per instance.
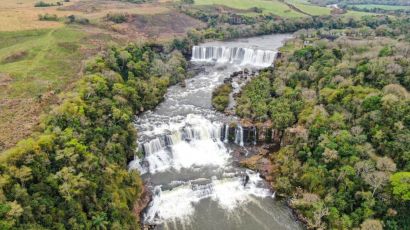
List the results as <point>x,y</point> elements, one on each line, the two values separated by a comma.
<point>188,165</point>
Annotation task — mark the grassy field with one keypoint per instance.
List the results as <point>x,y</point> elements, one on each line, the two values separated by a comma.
<point>274,6</point>
<point>357,14</point>
<point>309,8</point>
<point>22,15</point>
<point>41,59</point>
<point>385,7</point>
<point>287,8</point>
<point>34,67</point>
<point>38,60</point>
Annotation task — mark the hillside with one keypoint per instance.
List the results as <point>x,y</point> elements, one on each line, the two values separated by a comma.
<point>42,58</point>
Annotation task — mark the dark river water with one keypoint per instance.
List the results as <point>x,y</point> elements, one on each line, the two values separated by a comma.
<point>188,163</point>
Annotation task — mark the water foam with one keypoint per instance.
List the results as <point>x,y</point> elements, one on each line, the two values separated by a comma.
<point>194,142</point>
<point>179,202</point>
<point>234,55</point>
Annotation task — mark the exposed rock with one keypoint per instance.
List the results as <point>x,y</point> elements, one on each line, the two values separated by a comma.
<point>183,84</point>
<point>227,80</point>
<point>142,204</point>
<point>246,123</point>
<point>264,131</point>
<point>260,163</point>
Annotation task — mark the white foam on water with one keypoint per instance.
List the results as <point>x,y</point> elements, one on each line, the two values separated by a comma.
<point>195,141</point>
<point>136,165</point>
<point>158,161</point>
<point>172,204</point>
<point>199,153</point>
<point>234,55</point>
<point>179,203</point>
<point>231,193</point>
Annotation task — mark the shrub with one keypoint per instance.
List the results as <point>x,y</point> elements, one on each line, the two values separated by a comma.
<point>47,17</point>
<point>117,17</point>
<point>256,9</point>
<point>43,4</point>
<point>76,19</point>
<point>220,97</point>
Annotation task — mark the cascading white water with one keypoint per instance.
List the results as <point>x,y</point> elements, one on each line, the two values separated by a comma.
<point>226,138</point>
<point>187,165</point>
<point>179,202</point>
<point>154,146</point>
<point>196,143</point>
<point>254,136</point>
<point>239,135</point>
<point>234,55</point>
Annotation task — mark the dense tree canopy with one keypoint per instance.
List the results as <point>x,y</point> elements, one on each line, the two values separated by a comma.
<point>74,175</point>
<point>350,93</point>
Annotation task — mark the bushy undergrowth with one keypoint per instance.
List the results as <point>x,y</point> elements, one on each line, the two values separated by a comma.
<point>220,97</point>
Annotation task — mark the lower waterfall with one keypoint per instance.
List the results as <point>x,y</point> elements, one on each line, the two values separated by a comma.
<point>239,135</point>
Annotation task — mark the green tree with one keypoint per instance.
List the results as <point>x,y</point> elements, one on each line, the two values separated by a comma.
<point>401,185</point>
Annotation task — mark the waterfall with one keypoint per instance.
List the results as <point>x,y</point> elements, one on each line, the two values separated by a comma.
<point>226,138</point>
<point>239,135</point>
<point>196,142</point>
<point>254,136</point>
<point>179,201</point>
<point>233,55</point>
<point>154,146</point>
<point>174,138</point>
<point>136,165</point>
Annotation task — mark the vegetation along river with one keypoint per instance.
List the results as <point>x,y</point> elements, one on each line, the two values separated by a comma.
<point>188,164</point>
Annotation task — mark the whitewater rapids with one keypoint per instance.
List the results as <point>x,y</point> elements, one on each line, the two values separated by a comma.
<point>187,161</point>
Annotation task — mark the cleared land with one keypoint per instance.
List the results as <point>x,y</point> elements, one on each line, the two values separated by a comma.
<point>357,14</point>
<point>22,15</point>
<point>385,7</point>
<point>309,8</point>
<point>41,59</point>
<point>274,6</point>
<point>35,66</point>
<point>285,8</point>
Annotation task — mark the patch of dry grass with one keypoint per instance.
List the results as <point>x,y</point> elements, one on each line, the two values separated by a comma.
<point>18,15</point>
<point>40,59</point>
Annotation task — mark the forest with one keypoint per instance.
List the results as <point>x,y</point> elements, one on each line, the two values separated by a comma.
<point>346,101</point>
<point>74,175</point>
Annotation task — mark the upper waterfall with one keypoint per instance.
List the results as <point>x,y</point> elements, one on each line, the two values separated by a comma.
<point>234,55</point>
